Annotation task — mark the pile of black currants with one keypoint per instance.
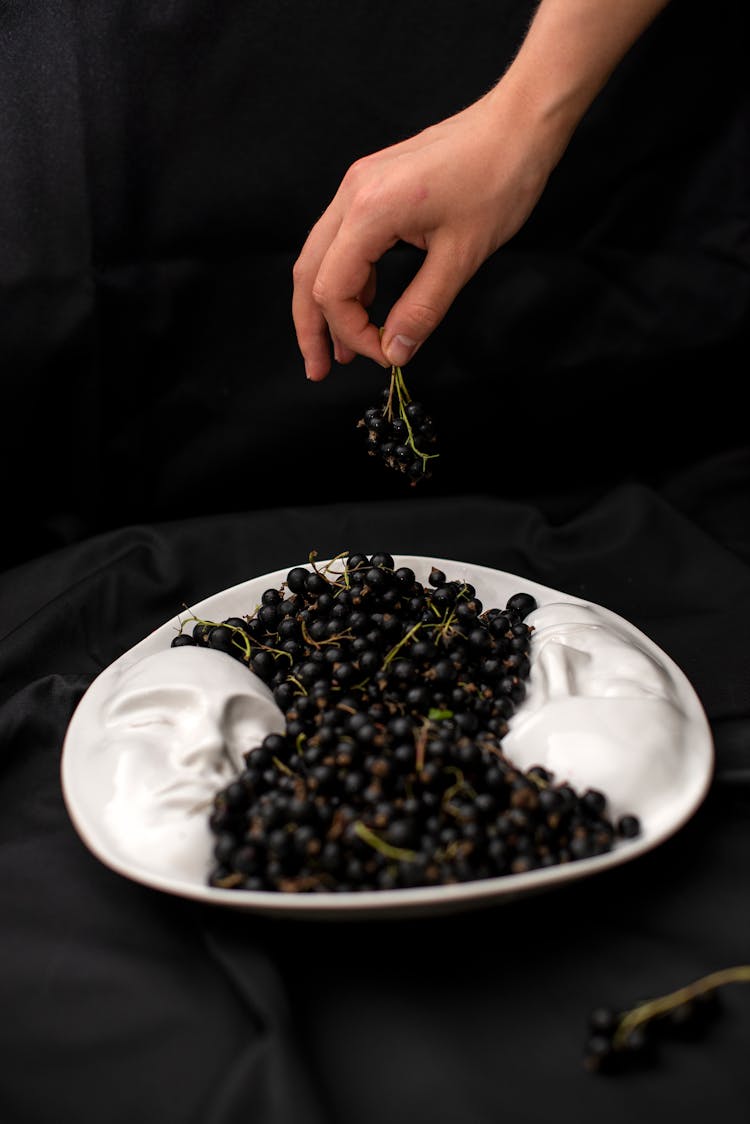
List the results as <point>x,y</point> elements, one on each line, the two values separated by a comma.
<point>400,431</point>
<point>622,1040</point>
<point>390,771</point>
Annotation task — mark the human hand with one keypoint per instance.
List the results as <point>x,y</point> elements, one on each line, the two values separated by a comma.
<point>458,191</point>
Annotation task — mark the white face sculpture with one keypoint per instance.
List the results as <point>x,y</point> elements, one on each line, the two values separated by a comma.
<point>178,723</point>
<point>600,712</point>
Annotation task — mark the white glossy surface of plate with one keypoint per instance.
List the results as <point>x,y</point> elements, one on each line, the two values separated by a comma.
<point>622,716</point>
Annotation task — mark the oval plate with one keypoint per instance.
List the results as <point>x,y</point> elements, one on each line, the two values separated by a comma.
<point>87,773</point>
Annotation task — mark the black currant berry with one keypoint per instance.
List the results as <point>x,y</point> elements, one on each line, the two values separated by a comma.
<point>390,771</point>
<point>183,639</point>
<point>400,434</point>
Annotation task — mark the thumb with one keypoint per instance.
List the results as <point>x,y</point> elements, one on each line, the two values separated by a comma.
<point>422,305</point>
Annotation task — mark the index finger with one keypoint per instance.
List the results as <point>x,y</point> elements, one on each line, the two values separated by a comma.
<point>309,322</point>
<point>344,273</point>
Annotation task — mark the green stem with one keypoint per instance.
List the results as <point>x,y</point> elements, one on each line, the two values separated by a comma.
<point>651,1008</point>
<point>368,836</point>
<point>404,398</point>
<point>404,639</point>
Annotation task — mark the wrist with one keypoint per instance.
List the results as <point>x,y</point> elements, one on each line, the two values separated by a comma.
<point>543,117</point>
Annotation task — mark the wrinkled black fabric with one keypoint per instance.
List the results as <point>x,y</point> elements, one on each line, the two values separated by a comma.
<point>160,166</point>
<point>129,1001</point>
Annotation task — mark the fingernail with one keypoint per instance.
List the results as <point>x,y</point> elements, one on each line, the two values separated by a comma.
<point>400,350</point>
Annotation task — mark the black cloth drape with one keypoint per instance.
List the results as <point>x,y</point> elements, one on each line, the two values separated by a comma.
<point>123,1000</point>
<point>160,165</point>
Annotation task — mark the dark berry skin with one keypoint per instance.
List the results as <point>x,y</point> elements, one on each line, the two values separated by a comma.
<point>522,603</point>
<point>262,663</point>
<point>396,694</point>
<point>384,560</point>
<point>690,1020</point>
<point>628,826</point>
<point>222,639</point>
<point>400,434</point>
<point>594,801</point>
<point>622,1040</point>
<point>315,584</point>
<point>184,639</point>
<point>604,1020</point>
<point>201,631</point>
<point>296,579</point>
<point>405,576</point>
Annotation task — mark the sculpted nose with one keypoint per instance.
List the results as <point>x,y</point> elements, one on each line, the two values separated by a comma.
<point>202,747</point>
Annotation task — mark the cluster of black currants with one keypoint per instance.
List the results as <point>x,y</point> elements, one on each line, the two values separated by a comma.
<point>622,1040</point>
<point>400,432</point>
<point>390,772</point>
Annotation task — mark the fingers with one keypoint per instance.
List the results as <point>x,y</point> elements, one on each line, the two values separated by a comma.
<point>424,303</point>
<point>342,353</point>
<point>334,276</point>
<point>345,285</point>
<point>309,323</point>
<point>335,302</point>
<point>342,320</point>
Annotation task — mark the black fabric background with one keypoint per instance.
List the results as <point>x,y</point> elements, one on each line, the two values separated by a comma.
<point>160,166</point>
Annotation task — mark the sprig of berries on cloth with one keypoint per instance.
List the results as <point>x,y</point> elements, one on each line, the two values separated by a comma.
<point>621,1040</point>
<point>400,432</point>
<point>390,772</point>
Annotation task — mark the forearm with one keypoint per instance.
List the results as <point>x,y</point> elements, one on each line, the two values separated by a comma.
<point>568,54</point>
<point>457,190</point>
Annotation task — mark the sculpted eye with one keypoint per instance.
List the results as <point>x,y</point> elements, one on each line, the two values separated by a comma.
<point>165,706</point>
<point>246,721</point>
<point>239,721</point>
<point>146,719</point>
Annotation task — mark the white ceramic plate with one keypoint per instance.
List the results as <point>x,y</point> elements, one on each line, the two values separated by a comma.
<point>88,771</point>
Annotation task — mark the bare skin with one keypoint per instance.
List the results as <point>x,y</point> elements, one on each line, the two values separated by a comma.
<point>458,191</point>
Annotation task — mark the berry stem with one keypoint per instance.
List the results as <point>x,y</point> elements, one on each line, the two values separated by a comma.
<point>404,398</point>
<point>420,744</point>
<point>367,835</point>
<point>461,784</point>
<point>404,640</point>
<point>652,1008</point>
<point>282,767</point>
<point>238,634</point>
<point>405,426</point>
